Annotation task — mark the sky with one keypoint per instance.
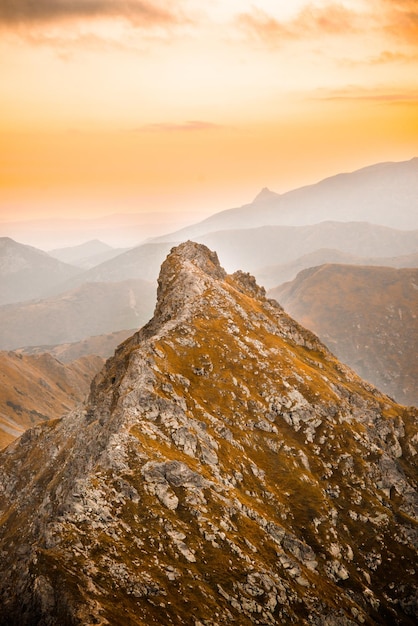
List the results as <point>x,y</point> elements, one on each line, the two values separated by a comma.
<point>182,109</point>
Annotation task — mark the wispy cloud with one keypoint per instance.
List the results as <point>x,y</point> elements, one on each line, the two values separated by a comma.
<point>388,56</point>
<point>40,11</point>
<point>312,21</point>
<point>397,19</point>
<point>353,93</point>
<point>189,126</point>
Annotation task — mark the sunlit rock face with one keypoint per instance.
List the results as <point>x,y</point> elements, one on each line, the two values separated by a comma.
<point>227,469</point>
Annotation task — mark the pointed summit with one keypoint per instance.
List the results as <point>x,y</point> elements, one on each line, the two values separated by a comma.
<point>227,469</point>
<point>195,254</point>
<point>188,270</point>
<point>266,195</point>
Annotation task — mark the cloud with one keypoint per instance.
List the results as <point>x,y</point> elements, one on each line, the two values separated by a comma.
<point>41,11</point>
<point>402,19</point>
<point>353,93</point>
<point>262,26</point>
<point>333,19</point>
<point>311,21</point>
<point>190,126</point>
<point>388,56</point>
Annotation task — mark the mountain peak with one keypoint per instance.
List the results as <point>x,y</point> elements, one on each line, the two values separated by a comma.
<point>266,194</point>
<point>227,469</point>
<point>189,254</point>
<point>185,274</point>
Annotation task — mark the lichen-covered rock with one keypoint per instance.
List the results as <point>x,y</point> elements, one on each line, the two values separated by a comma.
<point>227,469</point>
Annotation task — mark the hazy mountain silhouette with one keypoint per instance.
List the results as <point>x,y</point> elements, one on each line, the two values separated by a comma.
<point>142,262</point>
<point>384,193</point>
<point>367,316</point>
<point>269,245</point>
<point>257,248</point>
<point>26,272</point>
<point>129,229</point>
<point>274,275</point>
<point>86,255</point>
<point>92,309</point>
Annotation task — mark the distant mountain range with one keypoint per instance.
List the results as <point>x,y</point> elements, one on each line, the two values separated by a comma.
<point>91,309</point>
<point>86,255</point>
<point>368,316</point>
<point>39,388</point>
<point>277,274</point>
<point>27,272</point>
<point>258,248</point>
<point>119,229</point>
<point>141,262</point>
<point>385,193</point>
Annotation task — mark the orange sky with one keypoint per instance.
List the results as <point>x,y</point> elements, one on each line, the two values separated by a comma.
<point>112,106</point>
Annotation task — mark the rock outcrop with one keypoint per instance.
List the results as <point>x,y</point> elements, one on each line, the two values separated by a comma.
<point>227,469</point>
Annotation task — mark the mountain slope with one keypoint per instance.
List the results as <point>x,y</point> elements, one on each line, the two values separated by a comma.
<point>384,193</point>
<point>226,470</point>
<point>27,273</point>
<point>92,309</point>
<point>367,316</point>
<point>36,388</point>
<point>86,255</point>
<point>98,345</point>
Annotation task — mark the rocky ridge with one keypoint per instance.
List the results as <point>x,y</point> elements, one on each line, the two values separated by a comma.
<point>227,469</point>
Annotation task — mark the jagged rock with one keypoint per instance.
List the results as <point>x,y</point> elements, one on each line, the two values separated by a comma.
<point>227,469</point>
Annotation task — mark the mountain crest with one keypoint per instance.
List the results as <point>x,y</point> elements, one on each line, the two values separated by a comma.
<point>185,274</point>
<point>227,469</point>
